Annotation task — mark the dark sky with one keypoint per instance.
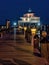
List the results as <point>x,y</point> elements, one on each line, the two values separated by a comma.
<point>13,9</point>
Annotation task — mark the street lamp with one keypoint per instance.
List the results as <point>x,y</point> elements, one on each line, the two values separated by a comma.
<point>44,33</point>
<point>38,23</point>
<point>44,45</point>
<point>14,23</point>
<point>24,30</point>
<point>33,31</point>
<point>14,30</point>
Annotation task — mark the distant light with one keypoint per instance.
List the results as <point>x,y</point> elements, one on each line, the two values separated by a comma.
<point>38,24</point>
<point>24,19</point>
<point>14,23</point>
<point>29,10</point>
<point>33,31</point>
<point>28,19</point>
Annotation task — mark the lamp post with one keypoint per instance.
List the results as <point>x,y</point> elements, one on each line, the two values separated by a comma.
<point>14,31</point>
<point>24,30</point>
<point>44,45</point>
<point>33,30</point>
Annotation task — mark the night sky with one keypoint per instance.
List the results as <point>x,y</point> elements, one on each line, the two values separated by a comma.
<point>13,9</point>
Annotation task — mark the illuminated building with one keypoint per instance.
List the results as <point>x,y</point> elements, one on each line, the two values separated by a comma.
<point>29,19</point>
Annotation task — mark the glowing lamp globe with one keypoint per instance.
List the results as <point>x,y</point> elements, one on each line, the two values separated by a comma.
<point>25,28</point>
<point>44,33</point>
<point>33,30</point>
<point>14,23</point>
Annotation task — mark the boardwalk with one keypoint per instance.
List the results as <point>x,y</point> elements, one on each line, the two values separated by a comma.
<point>18,52</point>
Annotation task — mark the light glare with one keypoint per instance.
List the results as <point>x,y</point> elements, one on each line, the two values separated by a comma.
<point>15,23</point>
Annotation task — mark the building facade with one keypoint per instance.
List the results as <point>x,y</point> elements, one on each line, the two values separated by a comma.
<point>29,19</point>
